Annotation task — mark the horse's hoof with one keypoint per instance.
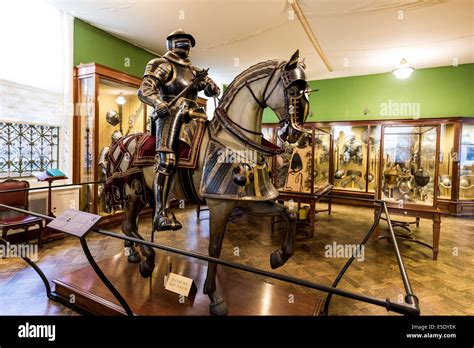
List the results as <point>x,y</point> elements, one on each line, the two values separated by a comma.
<point>134,258</point>
<point>218,308</point>
<point>145,269</point>
<point>276,259</point>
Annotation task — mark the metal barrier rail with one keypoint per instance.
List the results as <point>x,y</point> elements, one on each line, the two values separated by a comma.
<point>323,195</point>
<point>411,307</point>
<point>52,186</point>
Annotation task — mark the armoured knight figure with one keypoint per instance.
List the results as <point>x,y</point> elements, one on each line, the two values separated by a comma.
<point>164,79</point>
<point>352,151</point>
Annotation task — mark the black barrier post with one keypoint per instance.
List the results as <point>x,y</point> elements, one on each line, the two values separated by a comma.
<point>351,259</point>
<point>104,278</point>
<point>410,297</point>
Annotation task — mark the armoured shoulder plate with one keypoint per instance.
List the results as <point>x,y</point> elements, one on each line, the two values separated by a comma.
<point>196,69</point>
<point>160,68</point>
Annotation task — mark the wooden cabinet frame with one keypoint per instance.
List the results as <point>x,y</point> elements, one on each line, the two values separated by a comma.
<point>96,72</point>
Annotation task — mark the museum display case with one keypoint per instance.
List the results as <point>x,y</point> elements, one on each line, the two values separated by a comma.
<point>356,154</point>
<point>456,195</point>
<point>120,114</point>
<point>373,155</point>
<point>409,164</point>
<point>355,160</point>
<point>446,156</point>
<point>466,161</point>
<point>298,176</point>
<point>302,173</point>
<point>322,158</point>
<point>106,108</point>
<point>305,165</point>
<point>349,159</point>
<point>281,162</point>
<point>349,162</point>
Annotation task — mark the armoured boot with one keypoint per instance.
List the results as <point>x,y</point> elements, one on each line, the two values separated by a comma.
<point>164,219</point>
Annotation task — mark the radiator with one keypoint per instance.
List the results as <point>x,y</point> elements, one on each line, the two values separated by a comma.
<point>62,198</point>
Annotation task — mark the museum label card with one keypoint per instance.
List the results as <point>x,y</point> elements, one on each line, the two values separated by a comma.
<point>179,284</point>
<point>74,222</point>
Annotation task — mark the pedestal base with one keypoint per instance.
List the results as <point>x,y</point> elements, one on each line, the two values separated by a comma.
<point>244,293</point>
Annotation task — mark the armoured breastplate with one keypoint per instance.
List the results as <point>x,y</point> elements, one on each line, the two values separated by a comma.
<point>182,78</point>
<point>353,148</point>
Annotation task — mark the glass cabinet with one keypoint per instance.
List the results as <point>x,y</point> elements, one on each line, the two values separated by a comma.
<point>446,156</point>
<point>120,114</point>
<point>349,158</point>
<point>304,166</point>
<point>84,135</point>
<point>322,158</point>
<point>107,108</point>
<point>298,173</point>
<point>356,155</point>
<point>426,163</point>
<point>373,156</point>
<point>466,162</point>
<point>281,162</point>
<point>456,168</point>
<point>409,164</point>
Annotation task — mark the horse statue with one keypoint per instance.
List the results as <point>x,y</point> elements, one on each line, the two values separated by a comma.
<point>213,177</point>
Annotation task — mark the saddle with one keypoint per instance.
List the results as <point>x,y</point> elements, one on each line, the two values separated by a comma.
<point>189,146</point>
<point>127,156</point>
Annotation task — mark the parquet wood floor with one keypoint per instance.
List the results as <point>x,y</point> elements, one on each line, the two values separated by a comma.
<point>444,287</point>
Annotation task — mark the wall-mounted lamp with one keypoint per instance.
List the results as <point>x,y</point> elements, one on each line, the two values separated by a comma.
<point>120,100</point>
<point>404,71</point>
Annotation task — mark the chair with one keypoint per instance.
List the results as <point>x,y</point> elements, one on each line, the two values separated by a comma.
<point>9,219</point>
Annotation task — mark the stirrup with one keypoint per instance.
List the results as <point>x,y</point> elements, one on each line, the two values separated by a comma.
<point>162,222</point>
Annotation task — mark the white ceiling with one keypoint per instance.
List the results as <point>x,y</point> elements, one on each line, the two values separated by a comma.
<point>358,36</point>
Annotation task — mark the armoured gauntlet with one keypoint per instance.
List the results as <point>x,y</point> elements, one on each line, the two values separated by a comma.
<point>161,110</point>
<point>210,88</point>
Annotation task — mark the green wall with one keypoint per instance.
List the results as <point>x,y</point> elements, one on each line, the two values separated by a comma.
<point>436,92</point>
<point>95,45</point>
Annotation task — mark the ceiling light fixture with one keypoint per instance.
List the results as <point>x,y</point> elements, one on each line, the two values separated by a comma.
<point>404,71</point>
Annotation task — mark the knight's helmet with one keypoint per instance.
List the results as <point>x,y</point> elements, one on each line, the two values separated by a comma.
<point>116,135</point>
<point>180,43</point>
